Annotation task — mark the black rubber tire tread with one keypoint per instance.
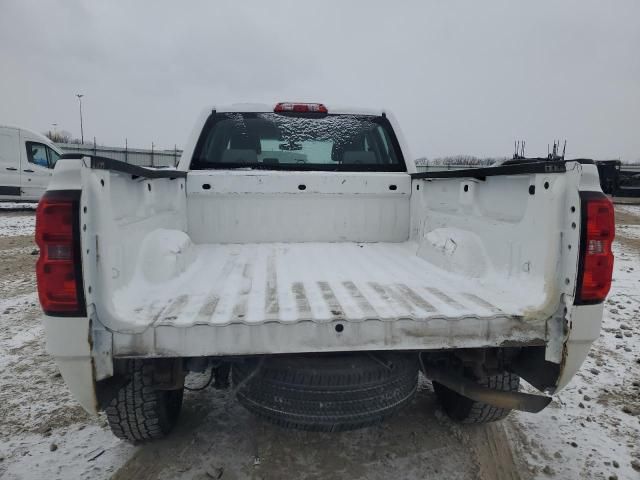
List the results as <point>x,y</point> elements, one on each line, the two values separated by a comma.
<point>327,393</point>
<point>465,410</point>
<point>140,413</point>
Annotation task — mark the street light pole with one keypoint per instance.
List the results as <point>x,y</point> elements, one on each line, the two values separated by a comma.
<point>81,130</point>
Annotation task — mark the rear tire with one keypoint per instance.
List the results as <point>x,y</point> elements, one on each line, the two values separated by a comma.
<point>327,393</point>
<point>465,410</point>
<point>139,412</point>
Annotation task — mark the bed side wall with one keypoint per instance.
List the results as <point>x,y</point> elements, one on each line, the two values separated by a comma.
<point>118,213</point>
<point>515,228</point>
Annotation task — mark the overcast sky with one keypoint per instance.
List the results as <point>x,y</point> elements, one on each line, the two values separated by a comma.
<point>462,77</point>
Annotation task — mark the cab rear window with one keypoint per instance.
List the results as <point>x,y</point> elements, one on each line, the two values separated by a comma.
<point>298,141</point>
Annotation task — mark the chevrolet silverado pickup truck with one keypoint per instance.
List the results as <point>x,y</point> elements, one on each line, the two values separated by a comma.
<point>296,256</point>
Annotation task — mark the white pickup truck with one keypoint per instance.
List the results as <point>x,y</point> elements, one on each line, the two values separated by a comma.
<point>297,255</point>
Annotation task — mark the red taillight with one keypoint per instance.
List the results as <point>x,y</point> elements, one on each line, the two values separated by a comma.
<point>301,108</point>
<point>58,269</point>
<point>598,230</point>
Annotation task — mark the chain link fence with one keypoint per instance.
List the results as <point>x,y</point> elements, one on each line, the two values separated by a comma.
<point>134,156</point>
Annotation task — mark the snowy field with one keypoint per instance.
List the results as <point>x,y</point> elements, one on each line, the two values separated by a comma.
<point>591,430</point>
<point>15,225</point>
<point>43,431</point>
<point>17,206</point>
<point>17,219</point>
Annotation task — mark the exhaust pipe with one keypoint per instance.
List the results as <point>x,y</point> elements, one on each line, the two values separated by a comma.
<point>525,402</point>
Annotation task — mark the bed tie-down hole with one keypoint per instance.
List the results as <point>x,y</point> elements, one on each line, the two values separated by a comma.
<point>467,193</point>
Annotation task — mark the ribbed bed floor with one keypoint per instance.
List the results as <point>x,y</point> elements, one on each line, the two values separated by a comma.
<point>255,283</point>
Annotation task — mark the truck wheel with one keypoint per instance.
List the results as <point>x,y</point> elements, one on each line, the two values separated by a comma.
<point>465,410</point>
<point>139,412</point>
<point>327,393</point>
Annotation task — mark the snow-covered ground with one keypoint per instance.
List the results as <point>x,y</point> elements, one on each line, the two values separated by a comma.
<point>631,209</point>
<point>629,231</point>
<point>18,206</point>
<point>43,431</point>
<point>17,224</point>
<point>17,218</point>
<point>591,430</point>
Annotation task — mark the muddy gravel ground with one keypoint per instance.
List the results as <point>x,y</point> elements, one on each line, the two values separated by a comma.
<point>217,438</point>
<point>45,434</point>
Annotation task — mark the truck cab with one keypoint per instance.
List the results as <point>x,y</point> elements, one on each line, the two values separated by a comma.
<point>27,160</point>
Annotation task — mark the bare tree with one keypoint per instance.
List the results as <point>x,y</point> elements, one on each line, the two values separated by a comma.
<point>61,136</point>
<point>459,160</point>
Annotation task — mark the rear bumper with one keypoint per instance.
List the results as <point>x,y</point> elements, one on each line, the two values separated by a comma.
<point>68,341</point>
<point>310,336</point>
<point>584,329</point>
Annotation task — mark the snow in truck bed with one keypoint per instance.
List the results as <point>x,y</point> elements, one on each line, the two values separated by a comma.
<point>220,284</point>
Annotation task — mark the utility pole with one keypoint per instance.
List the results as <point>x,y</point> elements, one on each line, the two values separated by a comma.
<point>79,95</point>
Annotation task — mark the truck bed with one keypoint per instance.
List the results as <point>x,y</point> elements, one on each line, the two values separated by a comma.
<point>250,262</point>
<point>321,282</point>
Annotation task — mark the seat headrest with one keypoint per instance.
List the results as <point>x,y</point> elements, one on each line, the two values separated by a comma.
<point>244,141</point>
<point>240,155</point>
<point>365,158</point>
<point>353,144</point>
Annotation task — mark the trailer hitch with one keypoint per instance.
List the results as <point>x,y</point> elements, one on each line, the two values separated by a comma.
<point>468,388</point>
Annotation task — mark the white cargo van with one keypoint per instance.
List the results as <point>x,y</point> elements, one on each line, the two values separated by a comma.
<point>26,163</point>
